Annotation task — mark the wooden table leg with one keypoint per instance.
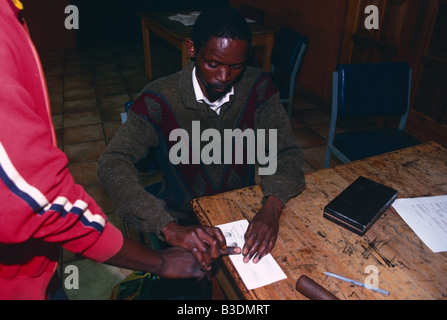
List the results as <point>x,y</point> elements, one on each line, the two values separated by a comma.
<point>266,63</point>
<point>147,50</point>
<point>224,285</point>
<point>185,55</point>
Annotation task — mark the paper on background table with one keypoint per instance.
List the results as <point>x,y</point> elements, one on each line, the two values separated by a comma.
<point>254,275</point>
<point>190,19</point>
<point>186,19</point>
<point>427,216</point>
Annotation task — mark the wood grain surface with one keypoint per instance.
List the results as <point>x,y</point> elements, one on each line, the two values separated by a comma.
<point>308,244</point>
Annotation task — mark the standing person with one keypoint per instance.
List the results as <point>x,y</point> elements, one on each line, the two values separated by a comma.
<point>214,91</point>
<point>41,207</point>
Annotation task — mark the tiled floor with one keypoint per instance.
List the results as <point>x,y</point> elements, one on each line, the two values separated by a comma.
<point>88,89</point>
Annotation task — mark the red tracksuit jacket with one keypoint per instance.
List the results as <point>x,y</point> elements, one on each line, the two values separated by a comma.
<point>40,205</point>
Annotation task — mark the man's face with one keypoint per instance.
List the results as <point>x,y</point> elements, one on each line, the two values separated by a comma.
<point>219,64</point>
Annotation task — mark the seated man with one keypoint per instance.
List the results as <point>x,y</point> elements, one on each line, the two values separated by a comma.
<point>41,207</point>
<point>217,91</point>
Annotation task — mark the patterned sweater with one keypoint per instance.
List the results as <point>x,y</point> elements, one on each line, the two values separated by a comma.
<point>169,103</point>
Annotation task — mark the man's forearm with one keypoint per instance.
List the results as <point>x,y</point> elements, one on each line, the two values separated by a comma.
<point>171,263</point>
<point>135,256</point>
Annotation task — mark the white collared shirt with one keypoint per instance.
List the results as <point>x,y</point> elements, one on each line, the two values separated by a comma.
<point>200,97</point>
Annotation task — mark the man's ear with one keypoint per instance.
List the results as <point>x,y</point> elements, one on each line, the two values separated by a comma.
<point>190,48</point>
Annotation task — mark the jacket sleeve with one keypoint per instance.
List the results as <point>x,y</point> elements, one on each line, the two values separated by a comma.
<point>38,197</point>
<point>288,179</point>
<point>116,169</point>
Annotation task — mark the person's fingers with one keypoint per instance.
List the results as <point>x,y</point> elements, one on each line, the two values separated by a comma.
<point>265,248</point>
<point>250,238</point>
<point>199,257</point>
<point>180,263</point>
<point>248,231</point>
<point>219,236</point>
<point>211,237</point>
<point>229,251</point>
<point>253,248</point>
<point>200,250</point>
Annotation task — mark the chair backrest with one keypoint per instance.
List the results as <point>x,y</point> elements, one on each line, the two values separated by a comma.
<point>288,50</point>
<point>372,89</point>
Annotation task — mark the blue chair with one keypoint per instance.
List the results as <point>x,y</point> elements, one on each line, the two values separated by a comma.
<point>365,91</point>
<point>286,58</point>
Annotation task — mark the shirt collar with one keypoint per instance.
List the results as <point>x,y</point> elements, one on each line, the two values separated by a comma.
<point>200,97</point>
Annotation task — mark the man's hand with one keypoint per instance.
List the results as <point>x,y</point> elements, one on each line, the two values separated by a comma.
<point>170,263</point>
<point>205,243</point>
<point>262,232</point>
<point>179,263</point>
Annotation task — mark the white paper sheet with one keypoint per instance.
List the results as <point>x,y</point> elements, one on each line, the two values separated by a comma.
<point>254,275</point>
<point>186,19</point>
<point>427,216</point>
<point>190,19</point>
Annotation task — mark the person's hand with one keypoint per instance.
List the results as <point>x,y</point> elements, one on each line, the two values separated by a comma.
<point>179,263</point>
<point>173,263</point>
<point>205,243</point>
<point>262,232</point>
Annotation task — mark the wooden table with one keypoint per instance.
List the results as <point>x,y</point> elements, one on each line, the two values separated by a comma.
<point>177,34</point>
<point>309,244</point>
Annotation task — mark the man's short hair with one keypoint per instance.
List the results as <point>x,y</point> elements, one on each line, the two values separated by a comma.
<point>221,21</point>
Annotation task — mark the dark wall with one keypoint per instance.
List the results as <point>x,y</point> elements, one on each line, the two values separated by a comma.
<point>322,22</point>
<point>45,20</point>
<point>103,22</point>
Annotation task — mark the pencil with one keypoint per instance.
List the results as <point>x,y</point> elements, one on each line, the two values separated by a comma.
<point>361,284</point>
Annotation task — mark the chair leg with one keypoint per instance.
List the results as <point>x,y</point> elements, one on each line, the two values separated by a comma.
<point>327,159</point>
<point>142,238</point>
<point>125,228</point>
<point>289,107</point>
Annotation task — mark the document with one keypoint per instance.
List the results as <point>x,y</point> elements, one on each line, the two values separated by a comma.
<point>427,216</point>
<point>254,275</point>
<point>186,19</point>
<point>190,19</point>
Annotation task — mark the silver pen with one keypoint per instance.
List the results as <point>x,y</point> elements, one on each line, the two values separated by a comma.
<point>361,284</point>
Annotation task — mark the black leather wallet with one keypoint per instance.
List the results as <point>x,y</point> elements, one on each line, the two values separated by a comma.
<point>360,205</point>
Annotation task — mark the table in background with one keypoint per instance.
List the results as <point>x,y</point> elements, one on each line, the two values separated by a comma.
<point>175,33</point>
<point>309,244</point>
